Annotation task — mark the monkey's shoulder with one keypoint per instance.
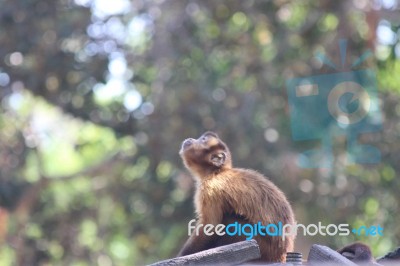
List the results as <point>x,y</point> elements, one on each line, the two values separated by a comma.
<point>246,176</point>
<point>235,180</point>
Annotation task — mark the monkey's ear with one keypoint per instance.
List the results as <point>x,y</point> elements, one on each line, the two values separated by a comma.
<point>218,159</point>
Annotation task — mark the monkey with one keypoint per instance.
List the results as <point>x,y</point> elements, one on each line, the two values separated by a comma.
<point>225,195</point>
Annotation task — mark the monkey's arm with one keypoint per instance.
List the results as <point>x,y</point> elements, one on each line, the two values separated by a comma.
<point>211,213</point>
<point>197,243</point>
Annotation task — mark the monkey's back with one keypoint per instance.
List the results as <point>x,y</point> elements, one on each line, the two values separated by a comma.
<point>248,194</point>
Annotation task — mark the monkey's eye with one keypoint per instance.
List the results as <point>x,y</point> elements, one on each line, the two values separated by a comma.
<point>204,139</point>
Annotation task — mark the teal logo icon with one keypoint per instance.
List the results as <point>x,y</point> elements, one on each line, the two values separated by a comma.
<point>329,105</point>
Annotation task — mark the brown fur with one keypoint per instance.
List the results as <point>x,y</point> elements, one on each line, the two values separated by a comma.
<point>225,194</point>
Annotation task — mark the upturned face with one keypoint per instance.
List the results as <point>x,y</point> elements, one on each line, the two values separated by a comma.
<point>205,155</point>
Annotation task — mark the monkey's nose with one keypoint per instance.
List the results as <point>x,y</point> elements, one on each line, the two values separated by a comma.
<point>186,143</point>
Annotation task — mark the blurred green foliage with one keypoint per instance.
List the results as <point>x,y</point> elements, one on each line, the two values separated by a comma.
<point>96,97</point>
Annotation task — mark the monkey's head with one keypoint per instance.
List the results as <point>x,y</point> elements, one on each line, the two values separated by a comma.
<point>206,155</point>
